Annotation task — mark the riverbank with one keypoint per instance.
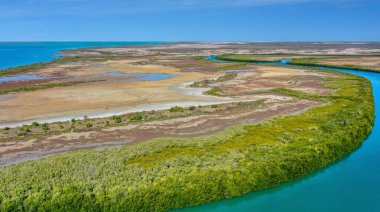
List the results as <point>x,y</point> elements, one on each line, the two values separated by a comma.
<point>353,62</point>
<point>358,169</point>
<point>310,63</point>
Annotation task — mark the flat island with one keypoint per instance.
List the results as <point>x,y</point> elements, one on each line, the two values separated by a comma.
<point>160,127</point>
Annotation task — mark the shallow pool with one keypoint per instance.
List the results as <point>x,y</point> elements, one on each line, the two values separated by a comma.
<point>20,78</point>
<point>136,77</point>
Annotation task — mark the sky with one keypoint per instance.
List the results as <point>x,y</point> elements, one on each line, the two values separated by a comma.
<point>189,20</point>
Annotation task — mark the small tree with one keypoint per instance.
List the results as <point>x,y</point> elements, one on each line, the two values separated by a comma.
<point>176,109</point>
<point>137,117</point>
<point>45,127</point>
<point>88,125</point>
<point>117,119</point>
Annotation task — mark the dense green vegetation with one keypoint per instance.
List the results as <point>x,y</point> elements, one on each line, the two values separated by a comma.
<point>176,109</point>
<point>249,58</point>
<point>235,66</point>
<point>306,61</point>
<point>317,61</point>
<point>171,173</point>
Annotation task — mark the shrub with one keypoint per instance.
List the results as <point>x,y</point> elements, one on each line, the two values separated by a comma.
<point>21,133</point>
<point>45,127</point>
<point>117,119</point>
<point>213,91</point>
<point>137,117</point>
<point>176,109</point>
<point>25,128</point>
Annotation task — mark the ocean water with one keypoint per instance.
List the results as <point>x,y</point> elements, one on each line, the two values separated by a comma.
<point>22,53</point>
<point>351,184</point>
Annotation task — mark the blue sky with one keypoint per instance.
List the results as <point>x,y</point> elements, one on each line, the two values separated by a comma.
<point>190,20</point>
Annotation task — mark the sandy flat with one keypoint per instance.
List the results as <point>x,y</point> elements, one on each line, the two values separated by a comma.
<point>99,99</point>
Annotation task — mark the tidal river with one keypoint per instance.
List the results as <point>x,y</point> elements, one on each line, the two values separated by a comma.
<point>351,184</point>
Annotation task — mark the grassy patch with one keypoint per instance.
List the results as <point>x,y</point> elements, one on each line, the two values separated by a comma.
<point>232,67</point>
<point>214,92</point>
<point>176,109</point>
<point>243,58</point>
<point>207,82</point>
<point>39,87</point>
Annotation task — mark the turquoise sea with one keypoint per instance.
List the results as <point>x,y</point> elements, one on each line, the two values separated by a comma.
<point>22,53</point>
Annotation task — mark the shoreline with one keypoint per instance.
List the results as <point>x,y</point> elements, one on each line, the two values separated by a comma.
<point>59,52</point>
